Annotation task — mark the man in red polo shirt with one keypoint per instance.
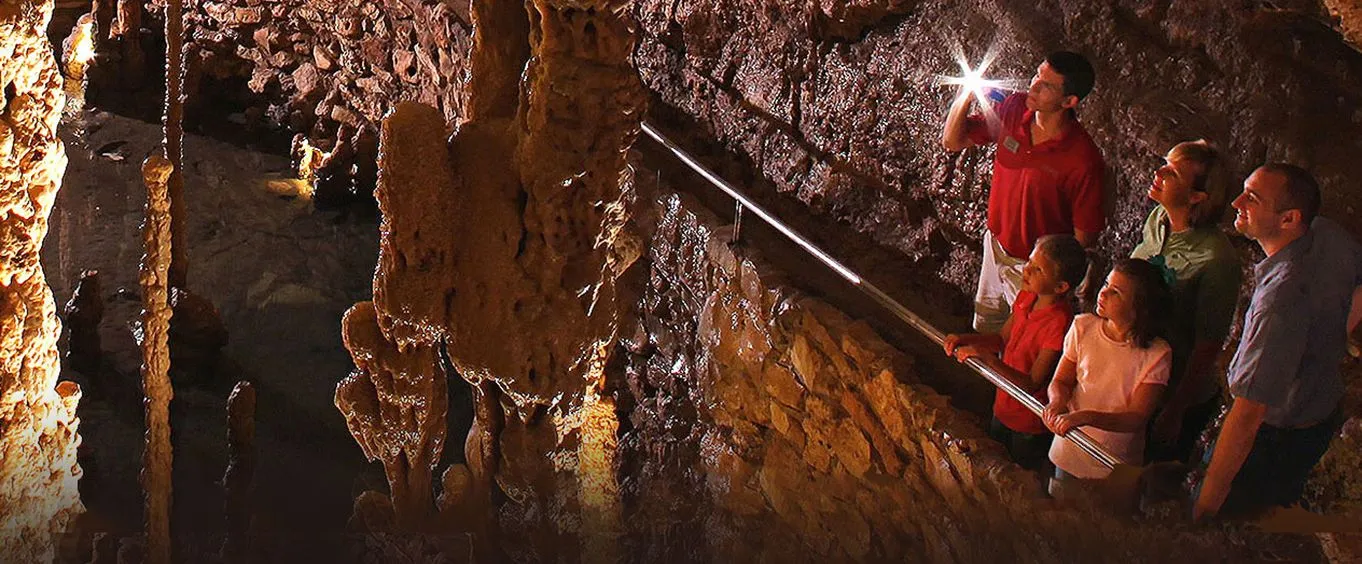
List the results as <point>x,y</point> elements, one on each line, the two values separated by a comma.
<point>1047,175</point>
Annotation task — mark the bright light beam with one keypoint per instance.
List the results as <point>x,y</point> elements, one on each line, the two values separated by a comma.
<point>973,82</point>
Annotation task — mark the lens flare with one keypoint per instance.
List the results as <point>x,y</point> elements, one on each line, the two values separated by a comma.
<point>972,81</point>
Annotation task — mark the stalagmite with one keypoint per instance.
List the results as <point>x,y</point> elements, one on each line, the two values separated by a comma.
<point>504,245</point>
<point>236,483</point>
<point>156,459</point>
<point>38,495</point>
<point>83,314</point>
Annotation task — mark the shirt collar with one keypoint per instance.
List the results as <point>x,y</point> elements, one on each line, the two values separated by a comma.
<point>1025,129</point>
<point>1288,253</point>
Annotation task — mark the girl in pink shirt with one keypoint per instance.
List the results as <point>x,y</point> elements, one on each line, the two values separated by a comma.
<point>1113,371</point>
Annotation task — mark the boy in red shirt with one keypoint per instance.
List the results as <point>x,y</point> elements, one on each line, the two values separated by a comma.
<point>1031,342</point>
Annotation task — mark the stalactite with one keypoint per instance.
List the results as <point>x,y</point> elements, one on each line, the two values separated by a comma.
<point>127,28</point>
<point>156,459</point>
<point>500,49</point>
<point>38,440</point>
<point>236,483</point>
<point>395,405</point>
<point>174,141</point>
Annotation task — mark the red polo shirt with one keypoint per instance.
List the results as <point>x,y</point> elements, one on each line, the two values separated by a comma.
<point>1032,332</point>
<point>1038,190</point>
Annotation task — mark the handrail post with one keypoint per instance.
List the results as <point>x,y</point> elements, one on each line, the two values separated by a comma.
<point>737,222</point>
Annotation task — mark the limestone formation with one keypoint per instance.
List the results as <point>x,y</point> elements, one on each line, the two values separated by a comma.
<point>1349,14</point>
<point>504,246</point>
<point>236,482</point>
<point>38,496</point>
<point>156,386</point>
<point>172,145</point>
<point>394,404</point>
<point>320,66</point>
<point>83,313</point>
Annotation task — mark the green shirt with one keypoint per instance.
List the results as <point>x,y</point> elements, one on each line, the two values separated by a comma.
<point>1208,274</point>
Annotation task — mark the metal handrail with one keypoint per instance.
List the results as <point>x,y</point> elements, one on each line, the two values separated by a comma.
<point>1084,442</point>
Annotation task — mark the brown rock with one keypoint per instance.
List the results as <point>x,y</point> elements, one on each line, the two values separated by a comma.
<point>883,446</point>
<point>781,384</point>
<point>851,447</point>
<point>83,313</point>
<point>305,79</point>
<point>394,404</point>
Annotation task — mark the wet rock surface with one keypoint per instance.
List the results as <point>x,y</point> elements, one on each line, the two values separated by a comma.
<point>502,248</point>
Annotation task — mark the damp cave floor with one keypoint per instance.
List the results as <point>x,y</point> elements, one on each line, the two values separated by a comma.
<point>281,275</point>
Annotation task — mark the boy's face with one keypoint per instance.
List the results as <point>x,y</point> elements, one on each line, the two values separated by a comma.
<point>1040,275</point>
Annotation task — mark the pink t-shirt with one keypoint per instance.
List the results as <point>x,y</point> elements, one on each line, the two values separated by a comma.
<point>1109,372</point>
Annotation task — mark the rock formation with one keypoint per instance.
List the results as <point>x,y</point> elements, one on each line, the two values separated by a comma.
<point>1349,14</point>
<point>154,338</point>
<point>38,496</point>
<point>503,248</point>
<point>83,313</point>
<point>237,480</point>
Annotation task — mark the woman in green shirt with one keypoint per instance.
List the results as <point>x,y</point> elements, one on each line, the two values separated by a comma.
<point>1182,234</point>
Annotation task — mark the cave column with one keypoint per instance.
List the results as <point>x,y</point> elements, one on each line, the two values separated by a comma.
<point>38,416</point>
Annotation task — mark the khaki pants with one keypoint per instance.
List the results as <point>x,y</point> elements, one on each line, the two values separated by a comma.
<point>999,282</point>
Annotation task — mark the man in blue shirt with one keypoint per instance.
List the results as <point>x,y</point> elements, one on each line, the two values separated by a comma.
<point>1284,378</point>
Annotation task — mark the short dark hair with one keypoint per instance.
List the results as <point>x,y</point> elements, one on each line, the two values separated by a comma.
<point>1068,254</point>
<point>1302,190</point>
<point>1152,299</point>
<point>1077,71</point>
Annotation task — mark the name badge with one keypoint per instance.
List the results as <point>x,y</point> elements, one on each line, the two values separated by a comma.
<point>1011,144</point>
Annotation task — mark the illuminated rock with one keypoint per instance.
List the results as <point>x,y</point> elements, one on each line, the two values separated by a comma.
<point>154,278</point>
<point>38,472</point>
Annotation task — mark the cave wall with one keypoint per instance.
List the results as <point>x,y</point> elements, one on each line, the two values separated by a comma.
<point>761,424</point>
<point>835,102</point>
<point>38,496</point>
<point>328,70</point>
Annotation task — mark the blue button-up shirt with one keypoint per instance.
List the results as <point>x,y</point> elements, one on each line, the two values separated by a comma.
<point>1295,330</point>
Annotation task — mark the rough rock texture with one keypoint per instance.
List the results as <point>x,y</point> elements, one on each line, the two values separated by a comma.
<point>38,496</point>
<point>503,248</point>
<point>394,404</point>
<point>763,425</point>
<point>1349,14</point>
<point>154,278</point>
<point>83,313</point>
<point>333,69</point>
<point>237,480</point>
<point>836,102</point>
